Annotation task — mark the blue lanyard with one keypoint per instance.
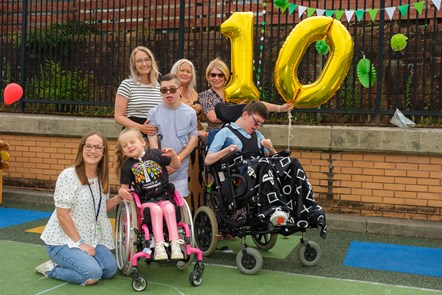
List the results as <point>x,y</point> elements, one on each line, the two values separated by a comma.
<point>93,199</point>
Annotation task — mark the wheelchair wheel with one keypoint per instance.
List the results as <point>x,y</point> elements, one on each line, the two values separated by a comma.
<point>206,228</point>
<point>125,236</point>
<point>309,253</point>
<point>265,241</point>
<point>186,217</point>
<point>249,263</point>
<point>139,283</point>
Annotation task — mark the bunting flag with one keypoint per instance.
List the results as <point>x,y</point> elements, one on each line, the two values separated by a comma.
<point>372,12</point>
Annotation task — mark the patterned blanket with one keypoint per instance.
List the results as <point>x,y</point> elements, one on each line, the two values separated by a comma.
<point>282,182</point>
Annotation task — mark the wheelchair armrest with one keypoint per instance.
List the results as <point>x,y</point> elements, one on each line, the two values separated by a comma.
<point>234,156</point>
<point>284,153</point>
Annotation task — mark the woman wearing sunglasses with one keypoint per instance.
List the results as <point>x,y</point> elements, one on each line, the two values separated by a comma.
<point>218,74</point>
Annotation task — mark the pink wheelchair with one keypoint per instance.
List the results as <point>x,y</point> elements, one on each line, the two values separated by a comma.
<point>135,241</point>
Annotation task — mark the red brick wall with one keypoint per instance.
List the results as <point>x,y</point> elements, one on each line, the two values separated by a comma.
<point>366,184</point>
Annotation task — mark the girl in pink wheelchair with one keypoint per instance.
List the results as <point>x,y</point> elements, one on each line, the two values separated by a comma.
<point>145,172</point>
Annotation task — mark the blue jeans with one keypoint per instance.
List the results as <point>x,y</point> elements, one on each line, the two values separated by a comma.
<point>76,266</point>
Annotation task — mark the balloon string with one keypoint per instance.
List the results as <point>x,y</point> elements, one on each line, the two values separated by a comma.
<point>289,135</point>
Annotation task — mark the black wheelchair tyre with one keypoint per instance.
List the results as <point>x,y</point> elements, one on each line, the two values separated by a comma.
<point>205,230</point>
<point>139,283</point>
<point>265,241</point>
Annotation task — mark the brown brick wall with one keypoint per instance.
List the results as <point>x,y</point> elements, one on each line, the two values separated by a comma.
<point>366,184</point>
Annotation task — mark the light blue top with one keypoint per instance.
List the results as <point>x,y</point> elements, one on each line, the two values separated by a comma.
<point>226,137</point>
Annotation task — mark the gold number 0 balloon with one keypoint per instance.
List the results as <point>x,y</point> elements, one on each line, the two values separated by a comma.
<point>239,29</point>
<point>335,69</point>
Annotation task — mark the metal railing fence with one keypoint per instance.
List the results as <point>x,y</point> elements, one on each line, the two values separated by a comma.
<point>70,56</point>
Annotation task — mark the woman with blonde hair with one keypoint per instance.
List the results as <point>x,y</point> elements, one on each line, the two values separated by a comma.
<point>139,93</point>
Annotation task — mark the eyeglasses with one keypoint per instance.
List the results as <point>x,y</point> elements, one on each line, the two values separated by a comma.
<point>256,122</point>
<point>141,61</point>
<point>214,75</point>
<point>171,90</point>
<point>89,147</point>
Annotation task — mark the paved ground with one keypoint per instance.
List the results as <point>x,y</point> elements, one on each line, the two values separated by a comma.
<point>330,276</point>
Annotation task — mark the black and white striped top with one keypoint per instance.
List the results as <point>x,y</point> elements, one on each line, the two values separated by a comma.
<point>141,98</point>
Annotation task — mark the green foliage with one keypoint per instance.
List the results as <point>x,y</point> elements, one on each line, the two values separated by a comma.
<point>57,84</point>
<point>56,39</point>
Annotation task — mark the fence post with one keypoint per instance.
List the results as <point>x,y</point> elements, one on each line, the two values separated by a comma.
<point>181,31</point>
<point>380,66</point>
<point>24,29</point>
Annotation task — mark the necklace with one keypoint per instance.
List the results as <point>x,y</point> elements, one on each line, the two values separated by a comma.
<point>93,199</point>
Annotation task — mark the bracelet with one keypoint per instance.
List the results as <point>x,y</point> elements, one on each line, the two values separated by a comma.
<point>279,109</point>
<point>179,158</point>
<point>79,242</point>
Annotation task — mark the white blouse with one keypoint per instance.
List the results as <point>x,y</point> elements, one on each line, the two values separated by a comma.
<point>71,194</point>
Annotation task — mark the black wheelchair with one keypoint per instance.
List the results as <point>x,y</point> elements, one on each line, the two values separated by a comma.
<point>231,205</point>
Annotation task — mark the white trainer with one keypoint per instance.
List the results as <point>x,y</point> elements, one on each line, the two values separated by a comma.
<point>160,252</point>
<point>45,267</point>
<point>175,246</point>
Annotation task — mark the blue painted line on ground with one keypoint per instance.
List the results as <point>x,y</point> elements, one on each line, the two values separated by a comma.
<point>396,258</point>
<point>12,216</point>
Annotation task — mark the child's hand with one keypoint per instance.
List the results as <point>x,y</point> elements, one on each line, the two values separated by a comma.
<point>168,152</point>
<point>125,193</point>
<point>233,147</point>
<point>267,143</point>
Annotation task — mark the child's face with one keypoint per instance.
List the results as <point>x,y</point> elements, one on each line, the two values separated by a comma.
<point>132,146</point>
<point>172,94</point>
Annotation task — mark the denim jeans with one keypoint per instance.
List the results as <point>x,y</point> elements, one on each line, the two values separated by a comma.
<point>76,266</point>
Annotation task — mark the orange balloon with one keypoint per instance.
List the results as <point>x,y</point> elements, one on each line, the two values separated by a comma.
<point>333,74</point>
<point>12,93</point>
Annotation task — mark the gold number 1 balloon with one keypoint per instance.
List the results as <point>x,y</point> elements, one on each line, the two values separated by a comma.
<point>239,29</point>
<point>334,71</point>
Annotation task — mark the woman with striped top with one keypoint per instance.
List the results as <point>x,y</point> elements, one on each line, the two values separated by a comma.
<point>139,93</point>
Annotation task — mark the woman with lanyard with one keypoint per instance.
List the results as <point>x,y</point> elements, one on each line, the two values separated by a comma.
<point>78,235</point>
<point>138,94</point>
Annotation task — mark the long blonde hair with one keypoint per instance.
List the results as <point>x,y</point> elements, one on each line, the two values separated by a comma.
<point>154,72</point>
<point>120,158</point>
<point>103,165</point>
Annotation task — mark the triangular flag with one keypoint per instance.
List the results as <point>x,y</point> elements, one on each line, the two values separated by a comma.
<point>292,8</point>
<point>301,10</point>
<point>419,6</point>
<point>403,9</point>
<point>329,12</point>
<point>360,14</point>
<point>320,12</point>
<point>310,11</point>
<point>349,14</point>
<point>437,4</point>
<point>339,14</point>
<point>373,12</point>
<point>390,11</point>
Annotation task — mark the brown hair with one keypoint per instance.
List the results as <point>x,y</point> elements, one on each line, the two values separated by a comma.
<point>258,108</point>
<point>103,165</point>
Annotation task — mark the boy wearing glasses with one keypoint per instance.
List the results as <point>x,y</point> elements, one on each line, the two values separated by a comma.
<point>285,195</point>
<point>177,123</point>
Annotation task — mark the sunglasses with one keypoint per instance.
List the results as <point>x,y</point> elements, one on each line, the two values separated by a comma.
<point>214,75</point>
<point>256,122</point>
<point>171,90</point>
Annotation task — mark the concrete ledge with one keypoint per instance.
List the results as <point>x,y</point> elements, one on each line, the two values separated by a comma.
<point>326,138</point>
<point>372,225</point>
